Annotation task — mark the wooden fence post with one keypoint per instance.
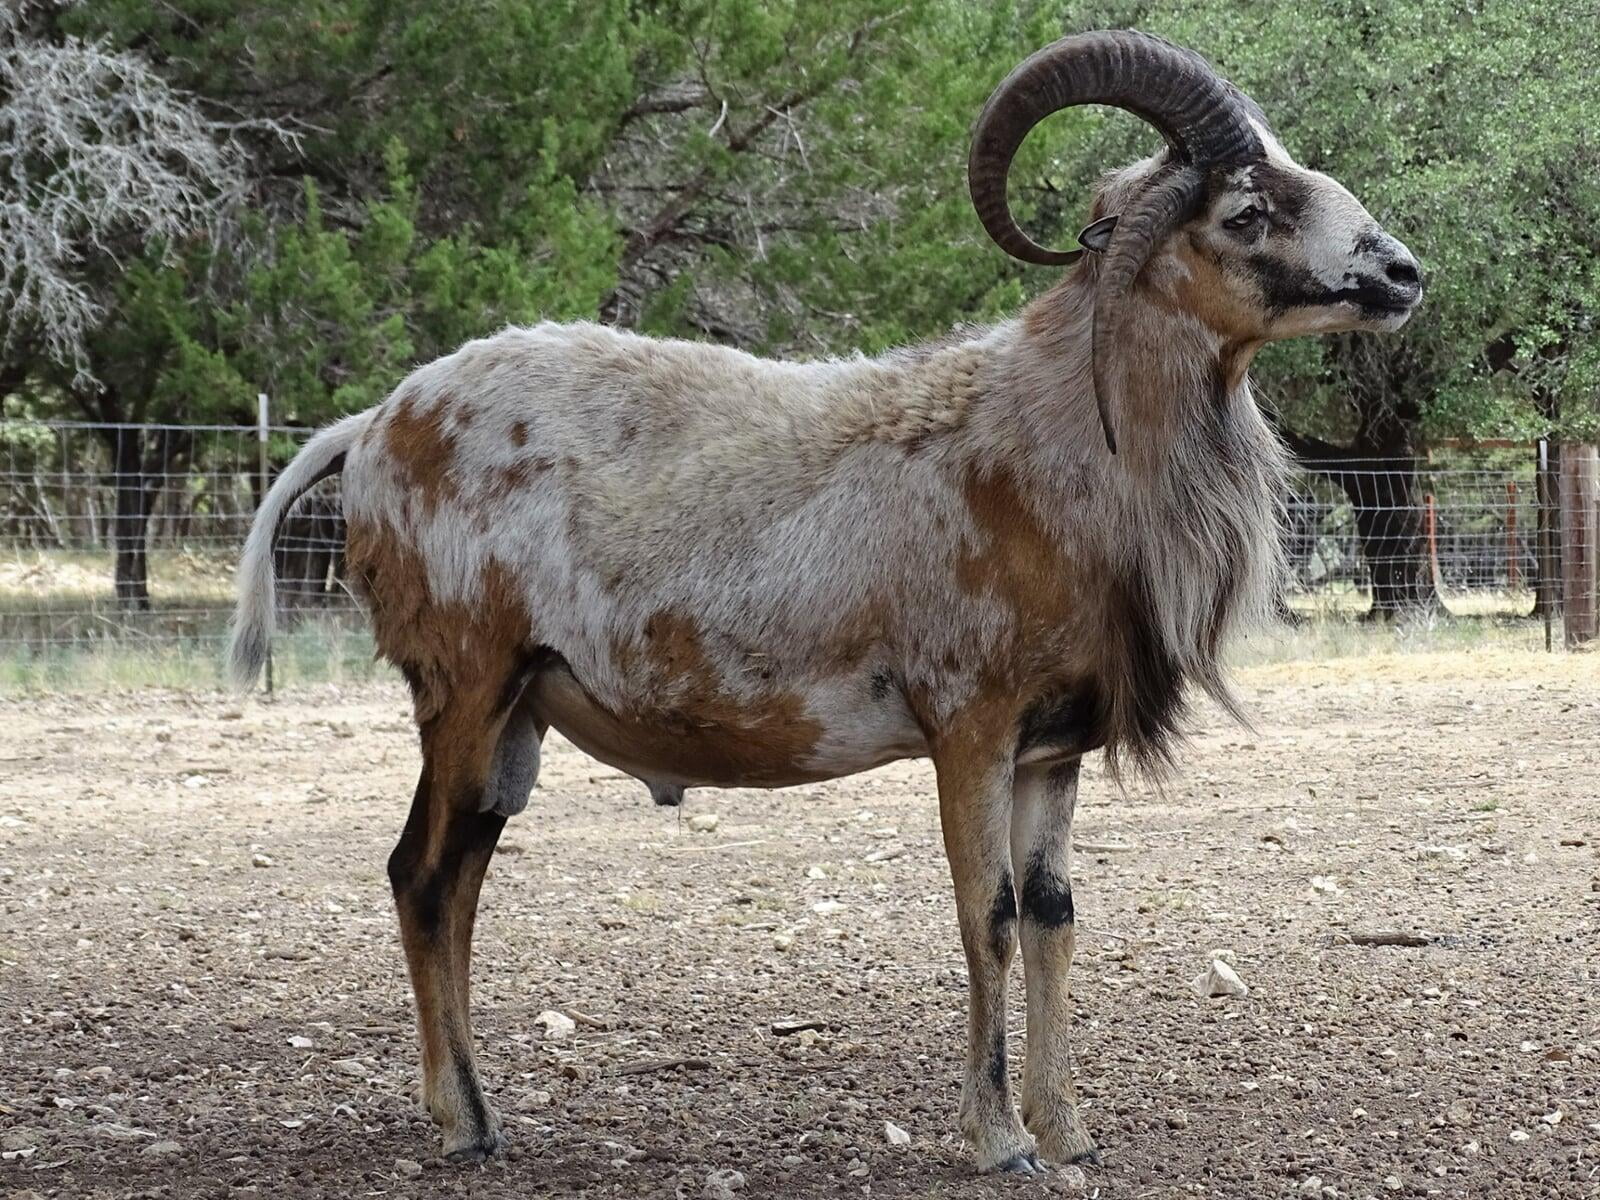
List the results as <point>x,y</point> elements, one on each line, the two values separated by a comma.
<point>1580,557</point>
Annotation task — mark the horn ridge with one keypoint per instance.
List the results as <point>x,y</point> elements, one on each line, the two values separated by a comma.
<point>1200,115</point>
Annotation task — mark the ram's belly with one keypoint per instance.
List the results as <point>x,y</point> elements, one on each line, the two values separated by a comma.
<point>833,729</point>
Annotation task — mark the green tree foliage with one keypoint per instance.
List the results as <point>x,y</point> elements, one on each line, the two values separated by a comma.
<point>789,175</point>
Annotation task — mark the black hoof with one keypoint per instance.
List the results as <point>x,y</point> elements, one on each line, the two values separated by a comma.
<point>1089,1158</point>
<point>1020,1164</point>
<point>478,1151</point>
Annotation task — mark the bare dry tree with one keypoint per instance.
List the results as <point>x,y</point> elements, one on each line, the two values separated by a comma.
<point>100,159</point>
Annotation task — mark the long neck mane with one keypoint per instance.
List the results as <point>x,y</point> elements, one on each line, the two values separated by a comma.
<point>1183,520</point>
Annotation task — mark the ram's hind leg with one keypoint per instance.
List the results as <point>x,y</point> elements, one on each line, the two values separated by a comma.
<point>436,871</point>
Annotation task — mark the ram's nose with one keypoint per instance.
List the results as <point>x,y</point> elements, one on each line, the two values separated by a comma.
<point>1404,274</point>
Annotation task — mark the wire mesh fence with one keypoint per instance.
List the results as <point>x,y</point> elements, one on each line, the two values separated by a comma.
<point>127,536</point>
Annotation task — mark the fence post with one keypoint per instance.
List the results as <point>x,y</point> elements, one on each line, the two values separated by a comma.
<point>1580,493</point>
<point>1513,566</point>
<point>266,482</point>
<point>1431,525</point>
<point>1546,506</point>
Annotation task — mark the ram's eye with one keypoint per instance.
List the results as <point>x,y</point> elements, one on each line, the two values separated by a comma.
<point>1245,218</point>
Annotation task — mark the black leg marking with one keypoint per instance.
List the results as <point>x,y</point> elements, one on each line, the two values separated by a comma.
<point>1003,920</point>
<point>997,1062</point>
<point>483,1142</point>
<point>1046,897</point>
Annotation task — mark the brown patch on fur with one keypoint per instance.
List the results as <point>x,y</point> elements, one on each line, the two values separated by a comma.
<point>1201,291</point>
<point>686,724</point>
<point>450,651</point>
<point>423,449</point>
<point>1017,560</point>
<point>519,475</point>
<point>519,434</point>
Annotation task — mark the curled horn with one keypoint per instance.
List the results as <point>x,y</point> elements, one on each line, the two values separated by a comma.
<point>1202,117</point>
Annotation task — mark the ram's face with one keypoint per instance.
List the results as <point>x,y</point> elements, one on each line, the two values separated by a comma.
<point>1277,251</point>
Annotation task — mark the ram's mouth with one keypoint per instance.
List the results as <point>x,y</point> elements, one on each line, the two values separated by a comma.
<point>1379,302</point>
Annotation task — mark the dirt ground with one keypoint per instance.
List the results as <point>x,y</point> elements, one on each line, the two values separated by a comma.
<point>202,991</point>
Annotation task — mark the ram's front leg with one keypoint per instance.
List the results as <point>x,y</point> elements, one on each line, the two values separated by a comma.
<point>1041,855</point>
<point>974,810</point>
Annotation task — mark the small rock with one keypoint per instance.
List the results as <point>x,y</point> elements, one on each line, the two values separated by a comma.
<point>350,1066</point>
<point>895,1135</point>
<point>260,860</point>
<point>1392,1182</point>
<point>704,823</point>
<point>1459,1112</point>
<point>722,1183</point>
<point>782,941</point>
<point>1178,1120</point>
<point>533,1101</point>
<point>1326,885</point>
<point>161,1149</point>
<point>1519,1135</point>
<point>1455,853</point>
<point>1311,1185</point>
<point>112,1131</point>
<point>301,1043</point>
<point>1471,1148</point>
<point>816,873</point>
<point>21,1138</point>
<point>408,1168</point>
<point>886,854</point>
<point>196,781</point>
<point>793,1025</point>
<point>557,1025</point>
<point>1104,847</point>
<point>1219,979</point>
<point>1552,1118</point>
<point>792,1160</point>
<point>826,908</point>
<point>1071,1181</point>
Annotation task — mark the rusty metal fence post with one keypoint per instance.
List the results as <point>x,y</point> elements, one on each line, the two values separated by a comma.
<point>1580,579</point>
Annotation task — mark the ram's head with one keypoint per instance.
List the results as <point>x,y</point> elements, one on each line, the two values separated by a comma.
<point>1222,221</point>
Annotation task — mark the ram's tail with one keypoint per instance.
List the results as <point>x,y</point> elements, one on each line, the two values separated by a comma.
<point>324,455</point>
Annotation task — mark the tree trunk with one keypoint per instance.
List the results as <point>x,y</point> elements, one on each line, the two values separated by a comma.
<point>1391,523</point>
<point>130,526</point>
<point>1379,475</point>
<point>141,461</point>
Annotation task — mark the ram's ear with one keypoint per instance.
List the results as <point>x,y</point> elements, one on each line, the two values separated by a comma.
<point>1096,235</point>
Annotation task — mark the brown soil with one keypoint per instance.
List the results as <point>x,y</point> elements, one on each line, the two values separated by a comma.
<point>176,1021</point>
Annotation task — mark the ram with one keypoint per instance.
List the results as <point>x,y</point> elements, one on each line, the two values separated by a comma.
<point>1001,550</point>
